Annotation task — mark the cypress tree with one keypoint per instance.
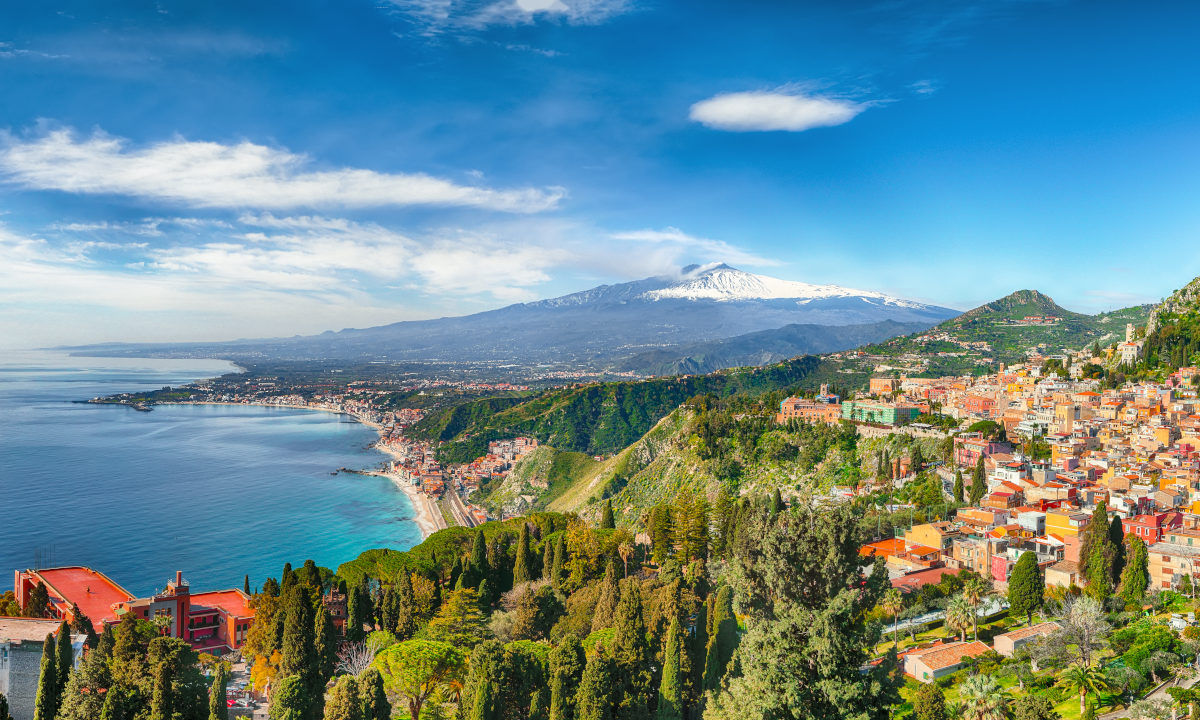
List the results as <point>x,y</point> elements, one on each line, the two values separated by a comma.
<point>405,608</point>
<point>699,648</point>
<point>4,713</point>
<point>597,693</point>
<point>246,584</point>
<point>116,705</point>
<point>217,699</point>
<point>324,645</point>
<point>479,558</point>
<point>670,695</point>
<point>917,458</point>
<point>607,522</point>
<point>161,702</point>
<point>343,701</point>
<point>483,705</point>
<point>1136,575</point>
<point>38,602</point>
<point>567,662</point>
<point>523,564</point>
<point>46,704</point>
<point>978,482</point>
<point>64,657</point>
<point>354,614</point>
<point>548,560</point>
<point>723,640</point>
<point>288,579</point>
<point>1096,555</point>
<point>632,656</point>
<point>610,596</point>
<point>1026,586</point>
<point>372,698</point>
<point>82,625</point>
<point>559,572</point>
<point>537,704</point>
<point>299,657</point>
<point>776,503</point>
<point>1116,541</point>
<point>959,489</point>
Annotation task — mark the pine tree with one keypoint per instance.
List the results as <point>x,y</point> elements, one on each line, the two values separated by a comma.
<point>723,640</point>
<point>1136,575</point>
<point>610,597</point>
<point>324,645</point>
<point>37,605</point>
<point>662,533</point>
<point>405,610</point>
<point>162,700</point>
<point>632,656</point>
<point>607,522</point>
<point>115,705</point>
<point>82,625</point>
<point>64,656</point>
<point>309,575</point>
<point>46,704</point>
<point>978,482</point>
<point>959,490</point>
<point>217,707</point>
<point>596,698</point>
<point>1026,586</point>
<point>567,662</point>
<point>523,564</point>
<point>372,697</point>
<point>287,579</point>
<point>670,695</point>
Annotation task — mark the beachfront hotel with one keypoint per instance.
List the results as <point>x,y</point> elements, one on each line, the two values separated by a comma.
<point>213,622</point>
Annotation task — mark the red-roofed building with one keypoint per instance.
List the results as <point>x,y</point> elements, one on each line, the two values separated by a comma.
<point>917,580</point>
<point>215,622</point>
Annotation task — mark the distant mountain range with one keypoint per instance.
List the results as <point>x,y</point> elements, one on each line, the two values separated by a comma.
<point>659,324</point>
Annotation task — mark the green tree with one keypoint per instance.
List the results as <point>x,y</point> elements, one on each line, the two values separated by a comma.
<point>892,604</point>
<point>325,645</point>
<point>598,690</point>
<point>415,670</point>
<point>483,704</point>
<point>37,604</point>
<point>670,690</point>
<point>64,656</point>
<point>558,573</point>
<point>1034,707</point>
<point>1097,555</point>
<point>372,697</point>
<point>217,707</point>
<point>523,564</point>
<point>1026,586</point>
<point>460,621</point>
<point>607,522</point>
<point>929,703</point>
<point>806,601</point>
<point>959,488</point>
<point>4,712</point>
<point>82,625</point>
<point>632,656</point>
<point>1083,679</point>
<point>567,661</point>
<point>776,502</point>
<point>356,615</point>
<point>610,595</point>
<point>289,699</point>
<point>342,702</point>
<point>983,698</point>
<point>1116,541</point>
<point>1136,575</point>
<point>298,650</point>
<point>723,640</point>
<point>978,482</point>
<point>46,703</point>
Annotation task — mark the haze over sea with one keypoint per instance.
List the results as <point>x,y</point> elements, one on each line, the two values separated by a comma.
<point>214,491</point>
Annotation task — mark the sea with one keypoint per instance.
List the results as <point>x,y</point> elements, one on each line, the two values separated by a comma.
<point>218,492</point>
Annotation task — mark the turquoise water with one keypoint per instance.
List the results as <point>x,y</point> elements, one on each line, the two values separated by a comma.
<point>214,491</point>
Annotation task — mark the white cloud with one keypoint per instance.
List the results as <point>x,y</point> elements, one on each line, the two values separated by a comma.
<point>673,248</point>
<point>437,16</point>
<point>773,110</point>
<point>245,175</point>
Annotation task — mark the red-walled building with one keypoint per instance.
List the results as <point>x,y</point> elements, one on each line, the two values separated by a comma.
<point>214,622</point>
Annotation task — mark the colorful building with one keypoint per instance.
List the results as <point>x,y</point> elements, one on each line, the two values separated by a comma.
<point>878,413</point>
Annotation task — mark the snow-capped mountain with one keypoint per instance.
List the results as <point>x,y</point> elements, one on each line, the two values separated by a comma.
<point>724,283</point>
<point>611,323</point>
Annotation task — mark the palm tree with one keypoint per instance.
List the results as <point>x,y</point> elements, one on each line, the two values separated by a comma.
<point>1083,679</point>
<point>958,616</point>
<point>982,698</point>
<point>893,603</point>
<point>974,592</point>
<point>625,550</point>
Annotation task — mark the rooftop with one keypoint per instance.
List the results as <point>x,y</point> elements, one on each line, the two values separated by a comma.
<point>92,591</point>
<point>233,602</point>
<point>952,654</point>
<point>1040,629</point>
<point>26,629</point>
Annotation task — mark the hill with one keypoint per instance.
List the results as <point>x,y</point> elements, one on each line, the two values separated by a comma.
<point>1172,335</point>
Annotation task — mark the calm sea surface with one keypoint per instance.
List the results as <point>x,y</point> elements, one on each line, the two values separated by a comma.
<point>214,491</point>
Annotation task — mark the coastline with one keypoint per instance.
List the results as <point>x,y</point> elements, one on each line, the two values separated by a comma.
<point>426,514</point>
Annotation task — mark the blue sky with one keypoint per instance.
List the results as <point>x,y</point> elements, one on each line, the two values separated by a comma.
<point>207,170</point>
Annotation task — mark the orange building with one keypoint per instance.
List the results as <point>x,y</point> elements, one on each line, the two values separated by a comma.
<point>798,409</point>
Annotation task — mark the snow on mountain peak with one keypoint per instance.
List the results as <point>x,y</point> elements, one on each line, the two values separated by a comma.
<point>724,283</point>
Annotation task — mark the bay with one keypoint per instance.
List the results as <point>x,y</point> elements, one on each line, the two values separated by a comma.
<point>215,491</point>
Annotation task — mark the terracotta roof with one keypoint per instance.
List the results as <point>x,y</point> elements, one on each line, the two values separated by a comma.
<point>952,654</point>
<point>1040,629</point>
<point>92,591</point>
<point>233,602</point>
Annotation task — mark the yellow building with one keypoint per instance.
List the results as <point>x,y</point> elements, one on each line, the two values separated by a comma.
<point>1065,523</point>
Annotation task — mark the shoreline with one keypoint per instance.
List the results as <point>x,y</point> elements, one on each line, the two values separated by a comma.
<point>425,512</point>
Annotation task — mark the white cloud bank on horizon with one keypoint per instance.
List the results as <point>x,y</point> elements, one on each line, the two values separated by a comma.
<point>775,110</point>
<point>437,16</point>
<point>243,175</point>
<point>677,243</point>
